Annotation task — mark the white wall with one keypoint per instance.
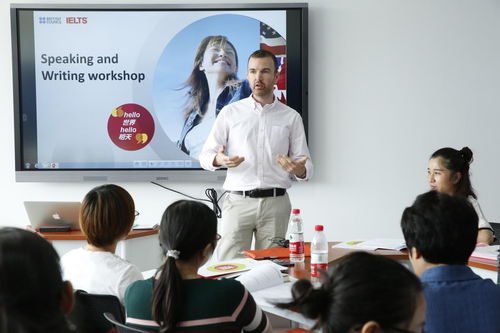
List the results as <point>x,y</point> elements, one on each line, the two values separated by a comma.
<point>390,82</point>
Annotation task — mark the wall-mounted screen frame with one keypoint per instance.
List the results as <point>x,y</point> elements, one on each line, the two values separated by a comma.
<point>108,92</point>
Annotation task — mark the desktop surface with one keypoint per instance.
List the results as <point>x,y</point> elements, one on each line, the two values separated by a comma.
<point>303,270</point>
<point>78,235</point>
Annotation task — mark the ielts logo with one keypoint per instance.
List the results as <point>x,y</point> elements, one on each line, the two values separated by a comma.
<point>76,20</point>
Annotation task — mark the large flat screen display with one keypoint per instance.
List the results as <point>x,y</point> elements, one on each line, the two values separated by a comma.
<point>131,92</point>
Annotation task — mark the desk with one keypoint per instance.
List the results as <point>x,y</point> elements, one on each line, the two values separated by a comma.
<point>140,247</point>
<point>264,298</point>
<point>303,270</point>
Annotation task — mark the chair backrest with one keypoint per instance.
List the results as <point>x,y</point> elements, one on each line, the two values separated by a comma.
<point>87,313</point>
<point>496,230</point>
<point>121,328</point>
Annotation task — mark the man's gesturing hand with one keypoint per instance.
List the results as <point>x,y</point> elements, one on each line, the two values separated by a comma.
<point>221,159</point>
<point>297,167</point>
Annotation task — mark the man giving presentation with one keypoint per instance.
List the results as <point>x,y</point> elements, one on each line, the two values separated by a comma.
<point>262,143</point>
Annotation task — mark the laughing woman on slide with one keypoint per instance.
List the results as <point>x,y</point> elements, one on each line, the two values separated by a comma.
<point>212,85</point>
<point>448,172</point>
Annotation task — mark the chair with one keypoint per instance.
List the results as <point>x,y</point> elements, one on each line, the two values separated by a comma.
<point>87,313</point>
<point>121,328</point>
<point>496,231</point>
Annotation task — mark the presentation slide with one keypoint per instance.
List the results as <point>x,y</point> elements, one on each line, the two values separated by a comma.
<point>128,89</point>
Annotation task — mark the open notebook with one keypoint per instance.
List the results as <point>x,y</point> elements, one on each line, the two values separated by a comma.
<point>53,214</point>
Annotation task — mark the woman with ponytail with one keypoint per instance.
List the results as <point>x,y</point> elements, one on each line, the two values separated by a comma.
<point>176,298</point>
<point>364,293</point>
<point>448,172</point>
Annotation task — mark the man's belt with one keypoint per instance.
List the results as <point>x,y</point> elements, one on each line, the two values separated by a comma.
<point>261,193</point>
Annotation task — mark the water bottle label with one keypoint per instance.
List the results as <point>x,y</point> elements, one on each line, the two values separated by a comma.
<point>296,247</point>
<point>296,237</point>
<point>319,262</point>
<point>319,258</point>
<point>316,268</point>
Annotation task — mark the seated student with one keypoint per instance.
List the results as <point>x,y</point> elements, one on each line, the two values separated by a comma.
<point>33,296</point>
<point>364,293</point>
<point>448,172</point>
<point>106,217</point>
<point>440,233</point>
<point>177,298</point>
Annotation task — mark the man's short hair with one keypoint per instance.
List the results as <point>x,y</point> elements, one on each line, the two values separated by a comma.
<point>441,227</point>
<point>264,54</point>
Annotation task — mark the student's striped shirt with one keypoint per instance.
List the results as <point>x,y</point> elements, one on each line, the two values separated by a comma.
<point>208,306</point>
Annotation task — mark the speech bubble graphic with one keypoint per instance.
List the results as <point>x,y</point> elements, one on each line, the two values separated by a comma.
<point>131,126</point>
<point>117,112</point>
<point>141,138</point>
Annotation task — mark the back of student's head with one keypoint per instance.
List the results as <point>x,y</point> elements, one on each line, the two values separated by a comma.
<point>186,228</point>
<point>107,214</point>
<point>361,288</point>
<point>442,227</point>
<point>31,286</point>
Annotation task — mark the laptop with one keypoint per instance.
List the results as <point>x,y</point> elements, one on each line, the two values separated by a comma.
<point>53,215</point>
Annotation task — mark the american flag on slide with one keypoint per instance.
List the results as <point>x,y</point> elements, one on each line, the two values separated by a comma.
<point>272,41</point>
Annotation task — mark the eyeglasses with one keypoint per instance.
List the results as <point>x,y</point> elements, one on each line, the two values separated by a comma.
<point>217,237</point>
<point>136,213</point>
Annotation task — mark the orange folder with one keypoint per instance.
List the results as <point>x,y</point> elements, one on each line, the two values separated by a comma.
<point>280,252</point>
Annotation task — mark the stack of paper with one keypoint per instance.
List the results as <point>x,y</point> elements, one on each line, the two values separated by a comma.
<point>396,244</point>
<point>486,254</point>
<point>261,277</point>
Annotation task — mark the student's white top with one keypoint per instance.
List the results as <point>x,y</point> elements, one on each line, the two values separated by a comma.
<point>482,222</point>
<point>99,272</point>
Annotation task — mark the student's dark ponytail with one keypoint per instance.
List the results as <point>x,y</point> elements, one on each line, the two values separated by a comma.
<point>186,228</point>
<point>312,303</point>
<point>458,161</point>
<point>167,298</point>
<point>360,288</point>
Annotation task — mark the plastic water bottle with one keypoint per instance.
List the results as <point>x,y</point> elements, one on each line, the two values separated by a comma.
<point>319,254</point>
<point>296,237</point>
